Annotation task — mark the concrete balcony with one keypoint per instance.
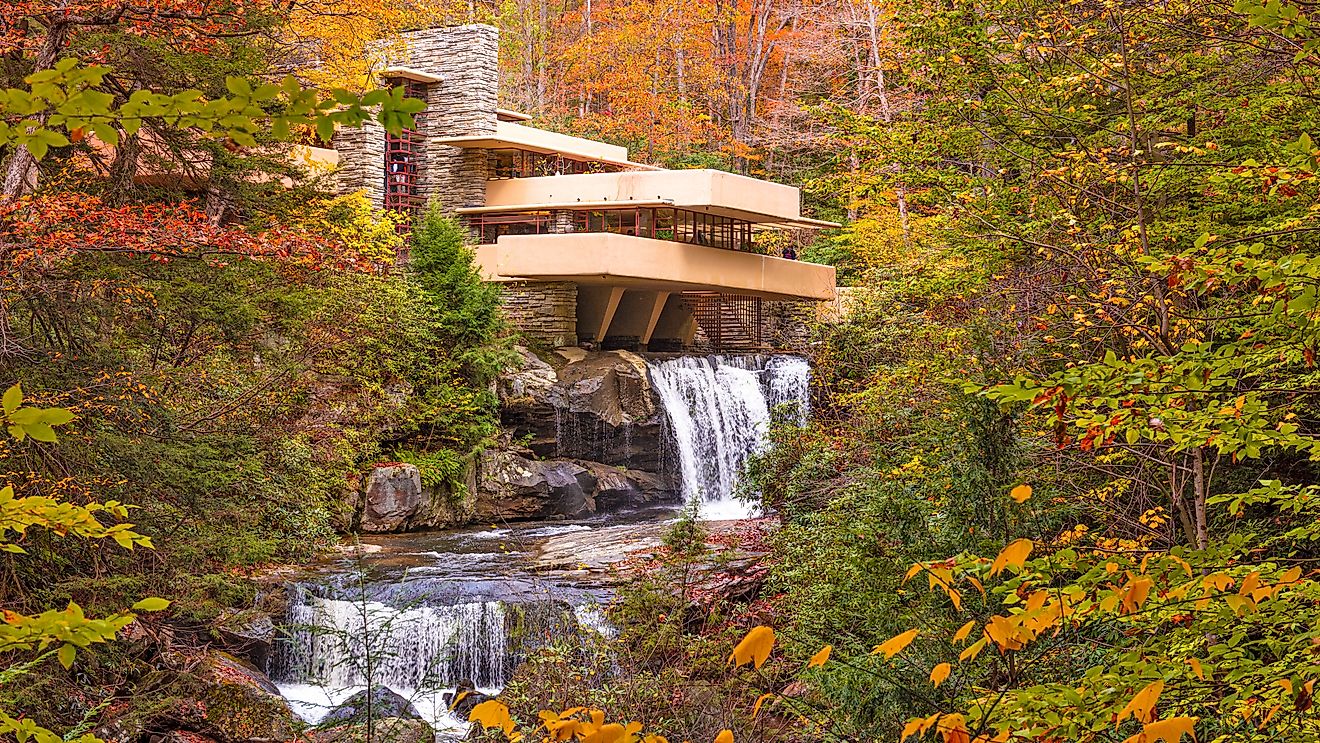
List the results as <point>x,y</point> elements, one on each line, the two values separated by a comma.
<point>707,191</point>
<point>625,261</point>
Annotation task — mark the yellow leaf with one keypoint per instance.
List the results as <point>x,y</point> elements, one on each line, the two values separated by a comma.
<point>611,733</point>
<point>458,699</point>
<point>1142,706</point>
<point>894,645</point>
<point>1196,668</point>
<point>1171,730</point>
<point>1021,493</point>
<point>1014,555</point>
<point>973,650</point>
<point>725,736</point>
<point>754,648</point>
<point>756,708</point>
<point>939,673</point>
<point>912,571</point>
<point>911,728</point>
<point>492,714</point>
<point>819,658</point>
<point>963,632</point>
<point>1291,576</point>
<point>1249,583</point>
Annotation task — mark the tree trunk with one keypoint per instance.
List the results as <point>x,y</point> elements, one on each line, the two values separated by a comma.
<point>21,172</point>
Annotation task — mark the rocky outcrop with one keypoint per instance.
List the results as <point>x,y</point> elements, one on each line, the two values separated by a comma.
<point>378,701</point>
<point>393,494</point>
<point>597,407</point>
<point>513,486</point>
<point>589,433</point>
<point>395,499</point>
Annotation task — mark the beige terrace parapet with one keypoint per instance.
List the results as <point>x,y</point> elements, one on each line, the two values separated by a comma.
<point>609,259</point>
<point>710,191</point>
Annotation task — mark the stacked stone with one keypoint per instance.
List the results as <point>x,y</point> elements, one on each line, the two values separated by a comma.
<point>788,324</point>
<point>362,158</point>
<point>462,104</point>
<point>545,311</point>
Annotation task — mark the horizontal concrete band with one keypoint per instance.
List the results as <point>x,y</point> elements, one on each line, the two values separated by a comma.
<point>608,259</point>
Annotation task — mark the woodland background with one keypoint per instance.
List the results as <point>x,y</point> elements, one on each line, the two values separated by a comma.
<point>1084,237</point>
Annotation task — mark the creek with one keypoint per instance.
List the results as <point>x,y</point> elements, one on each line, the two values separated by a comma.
<point>423,613</point>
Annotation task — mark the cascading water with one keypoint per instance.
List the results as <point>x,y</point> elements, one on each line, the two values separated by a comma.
<point>719,410</point>
<point>334,645</point>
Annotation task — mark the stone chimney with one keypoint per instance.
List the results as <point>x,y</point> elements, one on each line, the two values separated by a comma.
<point>465,60</point>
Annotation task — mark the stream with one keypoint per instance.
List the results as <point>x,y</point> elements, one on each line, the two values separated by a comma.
<point>422,613</point>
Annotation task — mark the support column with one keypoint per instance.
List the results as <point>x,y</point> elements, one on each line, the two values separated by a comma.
<point>596,308</point>
<point>657,307</point>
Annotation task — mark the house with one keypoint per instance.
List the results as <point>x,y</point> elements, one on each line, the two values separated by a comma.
<point>589,247</point>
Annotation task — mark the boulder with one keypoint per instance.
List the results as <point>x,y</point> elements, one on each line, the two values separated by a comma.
<point>393,493</point>
<point>382,702</point>
<point>594,406</point>
<point>239,703</point>
<point>512,486</point>
<point>464,697</point>
<point>392,729</point>
<point>248,634</point>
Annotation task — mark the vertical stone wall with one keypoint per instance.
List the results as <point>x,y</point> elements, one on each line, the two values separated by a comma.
<point>462,104</point>
<point>362,161</point>
<point>788,324</point>
<point>545,311</point>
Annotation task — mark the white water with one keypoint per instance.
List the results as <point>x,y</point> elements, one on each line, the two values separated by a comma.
<point>420,653</point>
<point>719,411</point>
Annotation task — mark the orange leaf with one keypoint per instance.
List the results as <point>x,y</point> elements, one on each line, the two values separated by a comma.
<point>819,658</point>
<point>756,708</point>
<point>725,736</point>
<point>1142,706</point>
<point>963,632</point>
<point>1196,667</point>
<point>754,648</point>
<point>894,645</point>
<point>1014,555</point>
<point>1021,493</point>
<point>1171,731</point>
<point>939,673</point>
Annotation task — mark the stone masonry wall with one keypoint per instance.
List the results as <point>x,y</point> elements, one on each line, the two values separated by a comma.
<point>463,103</point>
<point>788,324</point>
<point>545,311</point>
<point>362,161</point>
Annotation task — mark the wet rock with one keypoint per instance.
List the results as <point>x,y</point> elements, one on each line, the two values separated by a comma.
<point>248,634</point>
<point>595,406</point>
<point>378,701</point>
<point>464,698</point>
<point>392,729</point>
<point>393,494</point>
<point>512,486</point>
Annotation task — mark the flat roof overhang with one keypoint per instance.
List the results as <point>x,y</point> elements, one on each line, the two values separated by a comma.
<point>706,191</point>
<point>513,136</point>
<point>608,259</point>
<point>757,220</point>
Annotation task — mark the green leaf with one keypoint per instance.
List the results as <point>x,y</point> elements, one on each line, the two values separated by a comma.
<point>13,397</point>
<point>41,432</point>
<point>56,416</point>
<point>66,655</point>
<point>151,604</point>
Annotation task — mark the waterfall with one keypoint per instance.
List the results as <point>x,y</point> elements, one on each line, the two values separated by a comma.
<point>719,410</point>
<point>334,646</point>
